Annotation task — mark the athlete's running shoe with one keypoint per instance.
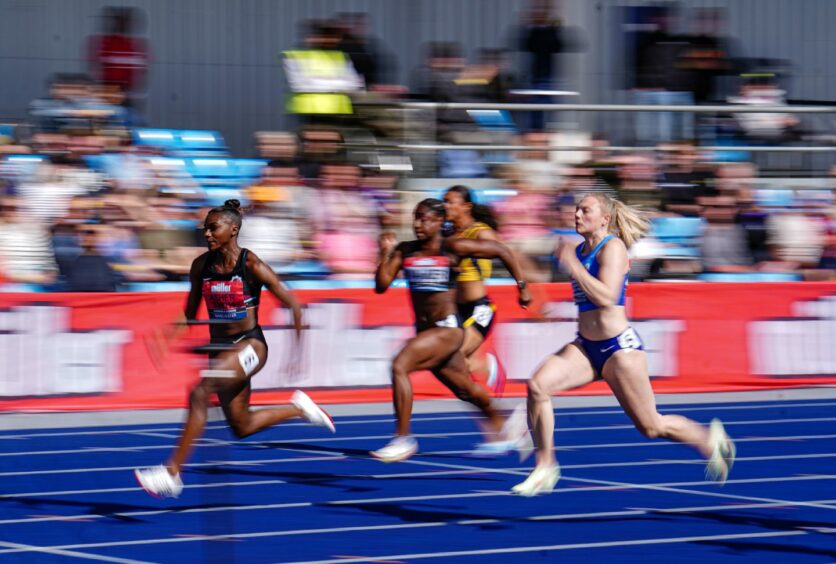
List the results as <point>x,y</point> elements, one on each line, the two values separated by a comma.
<point>312,412</point>
<point>514,435</point>
<point>158,482</point>
<point>722,455</point>
<point>541,480</point>
<point>398,449</point>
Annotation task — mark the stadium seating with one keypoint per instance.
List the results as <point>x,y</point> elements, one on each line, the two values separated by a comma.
<point>680,235</point>
<point>750,277</point>
<point>182,143</point>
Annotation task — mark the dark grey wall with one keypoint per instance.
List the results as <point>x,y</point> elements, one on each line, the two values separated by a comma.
<point>216,63</point>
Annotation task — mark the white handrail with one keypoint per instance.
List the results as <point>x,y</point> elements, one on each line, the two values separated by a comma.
<point>724,108</point>
<point>551,148</point>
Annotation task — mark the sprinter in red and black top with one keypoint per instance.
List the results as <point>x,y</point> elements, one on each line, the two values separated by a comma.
<point>430,265</point>
<point>229,279</point>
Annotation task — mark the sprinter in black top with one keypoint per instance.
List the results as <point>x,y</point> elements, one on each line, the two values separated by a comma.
<point>229,279</point>
<point>430,264</point>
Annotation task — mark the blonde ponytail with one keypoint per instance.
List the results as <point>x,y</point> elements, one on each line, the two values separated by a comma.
<point>626,222</point>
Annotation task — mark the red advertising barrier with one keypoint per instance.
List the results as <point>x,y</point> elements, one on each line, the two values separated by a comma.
<point>88,351</point>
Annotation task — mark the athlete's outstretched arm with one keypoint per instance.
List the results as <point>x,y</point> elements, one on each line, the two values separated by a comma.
<point>261,272</point>
<point>479,248</point>
<point>389,262</point>
<point>606,288</point>
<point>196,289</point>
<point>159,340</point>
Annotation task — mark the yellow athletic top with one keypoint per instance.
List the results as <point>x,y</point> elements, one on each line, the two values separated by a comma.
<point>470,270</point>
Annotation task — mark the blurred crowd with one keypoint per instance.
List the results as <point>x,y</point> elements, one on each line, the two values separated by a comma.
<point>94,201</point>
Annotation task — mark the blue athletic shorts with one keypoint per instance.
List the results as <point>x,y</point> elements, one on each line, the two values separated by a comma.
<point>599,352</point>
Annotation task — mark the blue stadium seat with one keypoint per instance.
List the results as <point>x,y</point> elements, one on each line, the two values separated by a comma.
<point>493,120</point>
<point>217,195</point>
<point>21,167</point>
<point>492,196</point>
<point>750,277</point>
<point>461,164</point>
<point>305,268</point>
<point>772,198</point>
<point>196,143</point>
<point>7,131</point>
<point>682,234</point>
<point>184,143</point>
<point>250,168</point>
<point>167,139</point>
<point>486,196</point>
<point>104,162</point>
<point>730,155</point>
<point>213,171</point>
<point>677,229</point>
<point>24,158</point>
<point>168,286</point>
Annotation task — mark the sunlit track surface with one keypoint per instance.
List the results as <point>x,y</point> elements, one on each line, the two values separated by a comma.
<point>295,494</point>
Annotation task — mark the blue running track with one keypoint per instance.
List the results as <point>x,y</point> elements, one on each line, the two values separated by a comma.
<point>297,494</point>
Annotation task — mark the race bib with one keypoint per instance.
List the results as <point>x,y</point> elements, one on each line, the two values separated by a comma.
<point>248,359</point>
<point>629,339</point>
<point>482,315</point>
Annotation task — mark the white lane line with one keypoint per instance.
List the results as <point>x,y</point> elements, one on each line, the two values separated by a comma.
<point>665,409</point>
<point>212,463</point>
<point>261,534</point>
<point>477,494</point>
<point>650,443</point>
<point>668,488</point>
<point>90,516</point>
<point>554,517</point>
<point>137,488</point>
<point>156,435</point>
<point>206,443</point>
<point>70,553</point>
<point>654,462</point>
<point>339,456</point>
<point>266,534</point>
<point>515,472</point>
<point>111,432</point>
<point>523,549</point>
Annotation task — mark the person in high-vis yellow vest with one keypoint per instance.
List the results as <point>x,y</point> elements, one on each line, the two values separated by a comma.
<point>474,221</point>
<point>320,80</point>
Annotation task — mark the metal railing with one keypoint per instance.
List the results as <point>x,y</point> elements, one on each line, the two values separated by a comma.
<point>419,132</point>
<point>712,109</point>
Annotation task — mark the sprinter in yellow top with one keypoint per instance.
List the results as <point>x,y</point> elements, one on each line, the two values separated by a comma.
<point>474,221</point>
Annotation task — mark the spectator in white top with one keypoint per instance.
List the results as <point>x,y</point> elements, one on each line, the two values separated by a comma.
<point>25,247</point>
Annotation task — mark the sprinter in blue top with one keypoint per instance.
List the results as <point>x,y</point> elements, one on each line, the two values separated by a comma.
<point>431,264</point>
<point>607,347</point>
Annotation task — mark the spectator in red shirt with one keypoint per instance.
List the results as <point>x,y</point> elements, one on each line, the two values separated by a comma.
<point>119,56</point>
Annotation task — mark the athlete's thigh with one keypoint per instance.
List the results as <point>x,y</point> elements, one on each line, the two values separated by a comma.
<point>244,361</point>
<point>453,372</point>
<point>627,375</point>
<point>567,369</point>
<point>430,348</point>
<point>473,339</point>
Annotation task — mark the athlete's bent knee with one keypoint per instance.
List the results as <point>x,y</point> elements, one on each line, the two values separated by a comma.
<point>241,428</point>
<point>400,368</point>
<point>199,397</point>
<point>537,390</point>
